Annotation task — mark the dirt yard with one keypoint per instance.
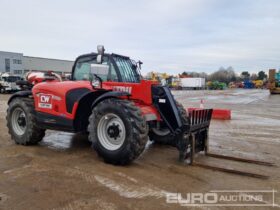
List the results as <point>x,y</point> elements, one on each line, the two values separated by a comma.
<point>63,172</point>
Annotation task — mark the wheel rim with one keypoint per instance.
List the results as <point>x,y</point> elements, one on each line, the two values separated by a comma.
<point>19,121</point>
<point>111,131</point>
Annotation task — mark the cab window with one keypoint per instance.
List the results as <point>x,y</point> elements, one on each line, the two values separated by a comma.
<point>82,69</point>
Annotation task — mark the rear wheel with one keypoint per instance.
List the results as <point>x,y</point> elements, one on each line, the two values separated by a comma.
<point>21,122</point>
<point>118,131</point>
<point>161,133</point>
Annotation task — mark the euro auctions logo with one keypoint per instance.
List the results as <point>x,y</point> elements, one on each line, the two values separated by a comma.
<point>224,198</point>
<point>192,198</point>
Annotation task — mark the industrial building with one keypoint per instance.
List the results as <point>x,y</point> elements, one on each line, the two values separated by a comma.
<point>18,64</point>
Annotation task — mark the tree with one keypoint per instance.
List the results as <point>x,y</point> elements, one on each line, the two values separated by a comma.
<point>203,75</point>
<point>262,75</point>
<point>185,74</point>
<point>245,75</point>
<point>254,76</point>
<point>193,74</point>
<point>221,68</point>
<point>223,75</point>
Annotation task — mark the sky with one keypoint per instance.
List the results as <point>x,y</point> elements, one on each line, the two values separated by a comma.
<point>166,35</point>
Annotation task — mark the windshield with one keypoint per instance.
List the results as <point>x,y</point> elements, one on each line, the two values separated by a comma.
<point>83,66</point>
<point>11,79</point>
<point>127,70</point>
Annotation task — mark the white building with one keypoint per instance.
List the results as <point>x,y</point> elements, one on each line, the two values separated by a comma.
<point>47,64</point>
<point>18,64</point>
<point>11,62</point>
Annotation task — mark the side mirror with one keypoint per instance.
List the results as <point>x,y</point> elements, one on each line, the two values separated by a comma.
<point>98,71</point>
<point>139,64</point>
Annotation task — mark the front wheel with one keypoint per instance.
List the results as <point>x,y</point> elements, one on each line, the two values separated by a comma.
<point>118,131</point>
<point>21,122</point>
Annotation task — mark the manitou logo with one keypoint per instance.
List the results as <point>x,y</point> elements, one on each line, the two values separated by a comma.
<point>122,89</point>
<point>45,101</point>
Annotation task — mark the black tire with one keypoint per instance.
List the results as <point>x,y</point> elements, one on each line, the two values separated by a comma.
<point>165,137</point>
<point>136,131</point>
<point>32,133</point>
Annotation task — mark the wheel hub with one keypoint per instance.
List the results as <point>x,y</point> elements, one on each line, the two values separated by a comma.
<point>21,121</point>
<point>114,131</point>
<point>111,131</point>
<point>18,121</point>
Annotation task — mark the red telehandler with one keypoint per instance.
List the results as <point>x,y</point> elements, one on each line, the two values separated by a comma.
<point>107,98</point>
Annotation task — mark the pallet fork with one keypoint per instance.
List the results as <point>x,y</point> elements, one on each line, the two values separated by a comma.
<point>199,121</point>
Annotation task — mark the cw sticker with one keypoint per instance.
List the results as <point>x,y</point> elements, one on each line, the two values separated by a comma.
<point>45,101</point>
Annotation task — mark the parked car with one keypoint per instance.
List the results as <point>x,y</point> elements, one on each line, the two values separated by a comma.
<point>8,83</point>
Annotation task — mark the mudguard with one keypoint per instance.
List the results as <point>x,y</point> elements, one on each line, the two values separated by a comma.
<point>24,93</point>
<point>149,112</point>
<point>110,94</point>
